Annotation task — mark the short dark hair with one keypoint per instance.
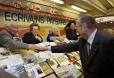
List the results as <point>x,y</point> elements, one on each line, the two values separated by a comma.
<point>32,25</point>
<point>69,23</point>
<point>89,20</point>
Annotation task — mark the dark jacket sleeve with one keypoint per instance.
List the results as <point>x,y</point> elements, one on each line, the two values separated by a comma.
<point>66,47</point>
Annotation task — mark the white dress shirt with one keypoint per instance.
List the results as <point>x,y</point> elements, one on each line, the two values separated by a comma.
<point>91,37</point>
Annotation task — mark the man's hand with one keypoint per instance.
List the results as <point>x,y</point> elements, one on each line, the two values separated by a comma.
<point>40,48</point>
<point>32,47</point>
<point>37,48</point>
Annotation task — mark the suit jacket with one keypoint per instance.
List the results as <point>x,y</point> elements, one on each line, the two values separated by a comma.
<point>6,40</point>
<point>100,62</point>
<point>31,39</point>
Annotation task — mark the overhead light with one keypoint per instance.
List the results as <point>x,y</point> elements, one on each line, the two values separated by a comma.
<point>78,8</point>
<point>58,1</point>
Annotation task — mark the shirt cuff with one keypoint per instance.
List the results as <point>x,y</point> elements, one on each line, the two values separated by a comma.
<point>49,48</point>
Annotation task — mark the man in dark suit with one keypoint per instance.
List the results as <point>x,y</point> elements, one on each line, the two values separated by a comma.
<point>96,49</point>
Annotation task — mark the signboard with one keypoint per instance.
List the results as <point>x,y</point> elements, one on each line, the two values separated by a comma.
<point>23,19</point>
<point>27,18</point>
<point>24,16</point>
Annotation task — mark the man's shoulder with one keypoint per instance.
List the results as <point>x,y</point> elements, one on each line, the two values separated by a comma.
<point>4,32</point>
<point>105,36</point>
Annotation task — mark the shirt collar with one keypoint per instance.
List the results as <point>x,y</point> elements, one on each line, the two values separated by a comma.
<point>91,37</point>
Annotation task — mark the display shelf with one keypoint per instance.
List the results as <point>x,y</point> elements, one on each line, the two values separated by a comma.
<point>43,64</point>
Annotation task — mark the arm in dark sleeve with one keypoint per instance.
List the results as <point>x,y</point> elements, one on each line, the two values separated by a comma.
<point>66,47</point>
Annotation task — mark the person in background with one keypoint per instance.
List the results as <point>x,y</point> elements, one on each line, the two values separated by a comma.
<point>71,31</point>
<point>52,33</point>
<point>7,38</point>
<point>33,37</point>
<point>96,49</point>
<point>7,41</point>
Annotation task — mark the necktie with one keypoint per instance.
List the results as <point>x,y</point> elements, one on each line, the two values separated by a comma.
<point>88,47</point>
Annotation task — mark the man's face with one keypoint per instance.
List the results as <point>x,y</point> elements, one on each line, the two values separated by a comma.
<point>35,30</point>
<point>82,29</point>
<point>13,29</point>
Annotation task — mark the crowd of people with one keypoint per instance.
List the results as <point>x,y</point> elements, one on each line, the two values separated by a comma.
<point>96,48</point>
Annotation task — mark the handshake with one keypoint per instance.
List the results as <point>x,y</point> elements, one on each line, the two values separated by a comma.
<point>37,48</point>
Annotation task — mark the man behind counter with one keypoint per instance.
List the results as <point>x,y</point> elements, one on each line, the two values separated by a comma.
<point>7,41</point>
